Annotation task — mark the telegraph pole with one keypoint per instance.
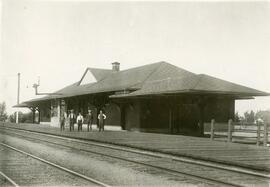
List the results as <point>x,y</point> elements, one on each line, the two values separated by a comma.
<point>18,97</point>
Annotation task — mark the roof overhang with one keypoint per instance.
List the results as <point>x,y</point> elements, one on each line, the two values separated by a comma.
<point>22,105</point>
<point>236,95</point>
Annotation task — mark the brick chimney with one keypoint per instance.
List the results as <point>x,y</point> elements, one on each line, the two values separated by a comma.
<point>116,66</point>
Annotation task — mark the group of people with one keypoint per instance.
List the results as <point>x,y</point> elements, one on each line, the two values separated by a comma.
<point>71,119</point>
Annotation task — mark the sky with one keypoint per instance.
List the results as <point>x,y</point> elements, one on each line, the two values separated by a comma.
<point>57,40</point>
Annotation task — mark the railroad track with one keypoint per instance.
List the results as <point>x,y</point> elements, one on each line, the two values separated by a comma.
<point>174,172</point>
<point>8,181</point>
<point>62,168</point>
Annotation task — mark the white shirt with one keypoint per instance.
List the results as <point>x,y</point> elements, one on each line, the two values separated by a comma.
<point>104,116</point>
<point>80,117</point>
<point>71,115</point>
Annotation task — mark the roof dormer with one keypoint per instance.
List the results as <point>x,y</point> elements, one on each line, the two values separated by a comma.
<point>87,78</point>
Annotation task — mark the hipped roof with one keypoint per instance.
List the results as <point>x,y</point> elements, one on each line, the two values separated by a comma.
<point>152,79</point>
<point>200,84</point>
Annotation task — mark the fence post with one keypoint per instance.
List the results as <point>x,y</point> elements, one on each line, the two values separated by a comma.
<point>212,129</point>
<point>265,134</point>
<point>258,132</point>
<point>230,130</point>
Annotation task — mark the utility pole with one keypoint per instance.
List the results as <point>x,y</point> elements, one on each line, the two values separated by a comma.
<point>18,97</point>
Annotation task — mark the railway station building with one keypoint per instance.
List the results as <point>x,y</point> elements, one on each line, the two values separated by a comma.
<point>158,97</point>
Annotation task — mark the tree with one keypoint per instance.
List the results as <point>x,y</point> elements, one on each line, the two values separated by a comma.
<point>23,117</point>
<point>249,116</point>
<point>246,115</point>
<point>3,113</point>
<point>12,117</point>
<point>264,115</point>
<point>252,116</point>
<point>236,117</point>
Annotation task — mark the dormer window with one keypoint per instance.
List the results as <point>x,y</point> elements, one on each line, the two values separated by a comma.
<point>88,78</point>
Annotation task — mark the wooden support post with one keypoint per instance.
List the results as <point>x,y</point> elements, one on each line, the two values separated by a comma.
<point>39,115</point>
<point>265,134</point>
<point>170,121</point>
<point>18,97</point>
<point>258,133</point>
<point>212,129</point>
<point>201,121</point>
<point>178,119</point>
<point>123,117</point>
<point>230,130</point>
<point>34,114</point>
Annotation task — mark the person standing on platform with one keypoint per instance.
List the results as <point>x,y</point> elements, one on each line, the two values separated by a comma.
<point>63,121</point>
<point>72,120</point>
<point>67,119</point>
<point>89,120</point>
<point>101,119</point>
<point>80,121</point>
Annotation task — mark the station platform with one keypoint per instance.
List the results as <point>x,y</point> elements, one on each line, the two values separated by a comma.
<point>235,154</point>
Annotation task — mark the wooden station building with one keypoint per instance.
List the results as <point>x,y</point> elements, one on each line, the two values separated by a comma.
<point>158,97</point>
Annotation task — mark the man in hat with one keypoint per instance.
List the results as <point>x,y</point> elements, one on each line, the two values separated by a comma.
<point>63,121</point>
<point>89,120</point>
<point>72,120</point>
<point>80,121</point>
<point>101,119</point>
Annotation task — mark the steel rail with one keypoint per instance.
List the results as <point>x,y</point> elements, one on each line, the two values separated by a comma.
<point>57,166</point>
<point>9,179</point>
<point>154,154</point>
<point>169,171</point>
